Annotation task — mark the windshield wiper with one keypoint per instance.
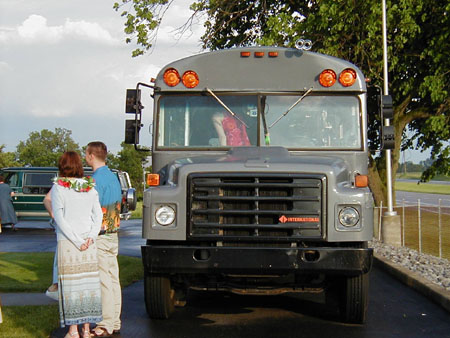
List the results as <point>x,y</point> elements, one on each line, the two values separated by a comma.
<point>291,107</point>
<point>263,117</point>
<point>225,106</point>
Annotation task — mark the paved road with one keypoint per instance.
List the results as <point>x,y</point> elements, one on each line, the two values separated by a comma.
<point>394,310</point>
<point>410,198</point>
<point>40,237</point>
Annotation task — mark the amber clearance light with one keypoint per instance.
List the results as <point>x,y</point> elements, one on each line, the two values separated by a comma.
<point>347,77</point>
<point>171,77</point>
<point>190,79</point>
<point>152,179</point>
<point>361,181</point>
<point>327,78</point>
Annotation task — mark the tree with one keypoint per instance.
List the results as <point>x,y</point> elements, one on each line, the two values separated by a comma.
<point>44,148</point>
<point>132,161</point>
<point>7,159</point>
<point>418,44</point>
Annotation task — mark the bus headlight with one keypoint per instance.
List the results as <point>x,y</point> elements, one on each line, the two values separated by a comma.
<point>165,215</point>
<point>348,217</point>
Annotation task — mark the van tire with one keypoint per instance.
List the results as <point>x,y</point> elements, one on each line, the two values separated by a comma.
<point>159,297</point>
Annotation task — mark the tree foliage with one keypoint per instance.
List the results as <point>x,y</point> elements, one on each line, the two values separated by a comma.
<point>132,161</point>
<point>418,45</point>
<point>7,159</point>
<point>44,148</point>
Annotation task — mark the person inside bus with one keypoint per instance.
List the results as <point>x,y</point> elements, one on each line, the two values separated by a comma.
<point>230,130</point>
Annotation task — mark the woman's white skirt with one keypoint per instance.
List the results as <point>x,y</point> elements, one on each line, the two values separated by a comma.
<point>79,285</point>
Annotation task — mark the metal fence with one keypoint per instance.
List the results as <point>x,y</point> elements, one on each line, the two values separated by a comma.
<point>424,227</point>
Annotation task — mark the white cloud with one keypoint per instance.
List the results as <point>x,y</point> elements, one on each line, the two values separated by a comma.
<point>35,30</point>
<point>88,30</point>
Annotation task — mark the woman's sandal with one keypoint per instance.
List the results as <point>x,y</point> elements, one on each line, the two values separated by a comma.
<point>86,334</point>
<point>100,332</point>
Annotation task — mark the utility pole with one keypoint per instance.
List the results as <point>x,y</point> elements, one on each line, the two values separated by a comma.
<point>390,211</point>
<point>391,227</point>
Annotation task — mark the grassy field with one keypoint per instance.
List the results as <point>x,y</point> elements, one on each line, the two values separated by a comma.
<point>416,176</point>
<point>429,229</point>
<point>29,321</point>
<point>137,214</point>
<point>428,188</point>
<point>32,272</point>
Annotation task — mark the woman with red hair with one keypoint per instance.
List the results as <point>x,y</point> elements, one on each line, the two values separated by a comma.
<point>78,216</point>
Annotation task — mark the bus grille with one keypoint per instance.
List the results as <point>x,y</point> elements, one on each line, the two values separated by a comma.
<point>246,207</point>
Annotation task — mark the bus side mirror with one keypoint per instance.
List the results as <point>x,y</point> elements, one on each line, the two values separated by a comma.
<point>387,137</point>
<point>132,128</point>
<point>386,106</point>
<point>133,101</point>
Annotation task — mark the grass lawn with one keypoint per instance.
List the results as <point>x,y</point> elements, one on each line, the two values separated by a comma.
<point>32,272</point>
<point>428,188</point>
<point>29,321</point>
<point>137,214</point>
<point>429,229</point>
<point>416,176</point>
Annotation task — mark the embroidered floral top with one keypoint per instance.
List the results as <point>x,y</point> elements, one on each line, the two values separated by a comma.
<point>76,209</point>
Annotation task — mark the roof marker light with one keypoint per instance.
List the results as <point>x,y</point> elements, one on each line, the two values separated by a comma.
<point>347,77</point>
<point>327,78</point>
<point>171,77</point>
<point>273,54</point>
<point>190,79</point>
<point>259,54</point>
<point>245,54</point>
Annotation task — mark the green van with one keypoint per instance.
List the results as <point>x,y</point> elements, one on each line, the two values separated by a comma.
<point>31,184</point>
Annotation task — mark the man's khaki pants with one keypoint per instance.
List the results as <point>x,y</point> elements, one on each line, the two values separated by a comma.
<point>107,250</point>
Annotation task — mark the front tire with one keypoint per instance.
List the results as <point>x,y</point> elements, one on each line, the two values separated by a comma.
<point>159,297</point>
<point>354,299</point>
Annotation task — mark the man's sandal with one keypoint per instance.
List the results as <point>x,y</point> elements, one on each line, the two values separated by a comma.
<point>100,332</point>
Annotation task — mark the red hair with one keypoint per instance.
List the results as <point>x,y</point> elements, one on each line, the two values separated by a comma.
<point>70,165</point>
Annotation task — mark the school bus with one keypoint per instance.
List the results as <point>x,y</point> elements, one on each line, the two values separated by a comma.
<point>259,181</point>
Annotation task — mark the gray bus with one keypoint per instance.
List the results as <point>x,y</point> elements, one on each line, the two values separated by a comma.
<point>260,182</point>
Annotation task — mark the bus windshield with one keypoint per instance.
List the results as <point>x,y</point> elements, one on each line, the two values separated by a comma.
<point>317,122</point>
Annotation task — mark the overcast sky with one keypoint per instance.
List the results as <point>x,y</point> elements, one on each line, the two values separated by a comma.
<point>64,64</point>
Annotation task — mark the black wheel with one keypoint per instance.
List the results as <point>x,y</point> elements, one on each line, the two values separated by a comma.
<point>354,299</point>
<point>159,297</point>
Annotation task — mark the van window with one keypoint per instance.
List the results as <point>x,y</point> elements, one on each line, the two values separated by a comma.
<point>37,183</point>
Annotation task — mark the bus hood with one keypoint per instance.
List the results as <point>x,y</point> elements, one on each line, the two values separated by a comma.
<point>257,159</point>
